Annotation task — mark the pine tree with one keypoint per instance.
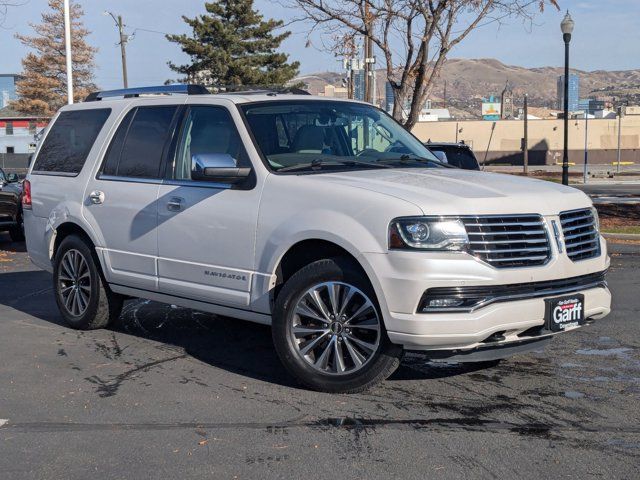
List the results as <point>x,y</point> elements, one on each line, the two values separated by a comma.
<point>233,45</point>
<point>43,87</point>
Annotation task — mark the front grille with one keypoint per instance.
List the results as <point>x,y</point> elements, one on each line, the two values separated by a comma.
<point>508,240</point>
<point>472,297</point>
<point>581,237</point>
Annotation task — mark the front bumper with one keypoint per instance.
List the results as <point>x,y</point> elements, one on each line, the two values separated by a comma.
<point>401,278</point>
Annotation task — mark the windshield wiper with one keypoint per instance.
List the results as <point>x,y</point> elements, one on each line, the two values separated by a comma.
<point>407,157</point>
<point>318,163</point>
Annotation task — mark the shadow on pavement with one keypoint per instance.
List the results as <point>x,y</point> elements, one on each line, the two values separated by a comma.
<point>234,345</point>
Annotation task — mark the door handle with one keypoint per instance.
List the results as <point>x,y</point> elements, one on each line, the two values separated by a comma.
<point>96,197</point>
<point>174,204</point>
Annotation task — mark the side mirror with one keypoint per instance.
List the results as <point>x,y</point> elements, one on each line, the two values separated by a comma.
<point>218,168</point>
<point>12,178</point>
<point>440,156</point>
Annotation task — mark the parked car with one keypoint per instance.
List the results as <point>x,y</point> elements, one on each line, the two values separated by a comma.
<point>458,155</point>
<point>323,218</point>
<point>11,206</point>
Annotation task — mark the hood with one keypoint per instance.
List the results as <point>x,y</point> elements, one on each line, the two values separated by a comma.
<point>448,191</point>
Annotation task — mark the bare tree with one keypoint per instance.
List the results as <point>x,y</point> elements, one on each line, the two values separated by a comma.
<point>414,36</point>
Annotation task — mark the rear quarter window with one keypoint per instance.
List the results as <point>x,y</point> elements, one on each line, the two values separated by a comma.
<point>68,143</point>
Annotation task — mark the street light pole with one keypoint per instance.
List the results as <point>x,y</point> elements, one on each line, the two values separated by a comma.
<point>525,146</point>
<point>586,144</point>
<point>567,28</point>
<point>619,137</point>
<point>124,38</point>
<point>67,47</point>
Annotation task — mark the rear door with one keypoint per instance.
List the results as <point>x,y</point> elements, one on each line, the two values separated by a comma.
<point>121,201</point>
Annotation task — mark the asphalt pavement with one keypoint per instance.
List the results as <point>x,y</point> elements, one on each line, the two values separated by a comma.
<point>173,393</point>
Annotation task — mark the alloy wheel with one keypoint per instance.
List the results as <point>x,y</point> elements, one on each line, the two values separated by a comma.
<point>336,328</point>
<point>74,282</point>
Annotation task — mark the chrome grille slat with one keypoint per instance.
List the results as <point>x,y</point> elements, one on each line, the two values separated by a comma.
<point>584,242</point>
<point>575,219</point>
<point>500,242</point>
<point>576,227</point>
<point>536,258</point>
<point>513,232</point>
<point>512,250</point>
<point>581,237</point>
<point>508,241</point>
<point>501,224</point>
<point>578,235</point>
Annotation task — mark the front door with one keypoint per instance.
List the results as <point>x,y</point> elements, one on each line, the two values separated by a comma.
<point>121,203</point>
<point>206,231</point>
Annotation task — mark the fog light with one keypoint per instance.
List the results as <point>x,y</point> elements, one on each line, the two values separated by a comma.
<point>445,302</point>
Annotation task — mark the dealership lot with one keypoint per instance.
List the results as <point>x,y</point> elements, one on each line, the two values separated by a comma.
<point>175,393</point>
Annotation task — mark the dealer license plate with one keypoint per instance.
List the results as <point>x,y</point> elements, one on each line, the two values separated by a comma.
<point>564,312</point>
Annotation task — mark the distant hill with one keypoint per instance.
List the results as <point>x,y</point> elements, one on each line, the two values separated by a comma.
<point>468,81</point>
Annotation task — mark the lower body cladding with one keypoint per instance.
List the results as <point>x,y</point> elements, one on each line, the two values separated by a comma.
<point>452,305</point>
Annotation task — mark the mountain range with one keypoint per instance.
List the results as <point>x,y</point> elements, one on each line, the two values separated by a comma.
<point>468,81</point>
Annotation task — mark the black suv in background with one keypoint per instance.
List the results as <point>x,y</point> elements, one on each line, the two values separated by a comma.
<point>11,206</point>
<point>456,154</point>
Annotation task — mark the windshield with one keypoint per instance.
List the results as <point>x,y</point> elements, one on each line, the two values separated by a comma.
<point>316,135</point>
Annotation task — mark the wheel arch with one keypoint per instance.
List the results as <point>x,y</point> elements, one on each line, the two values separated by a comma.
<point>62,231</point>
<point>310,250</point>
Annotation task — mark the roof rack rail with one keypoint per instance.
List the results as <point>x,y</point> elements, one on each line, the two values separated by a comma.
<point>159,90</point>
<point>256,90</point>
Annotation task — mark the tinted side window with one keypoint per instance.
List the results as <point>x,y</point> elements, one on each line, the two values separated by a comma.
<point>67,145</point>
<point>145,138</point>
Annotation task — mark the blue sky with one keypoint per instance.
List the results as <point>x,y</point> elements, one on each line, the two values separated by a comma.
<point>607,36</point>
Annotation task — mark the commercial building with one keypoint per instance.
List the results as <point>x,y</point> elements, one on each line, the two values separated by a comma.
<point>19,135</point>
<point>574,92</point>
<point>388,97</point>
<point>500,142</point>
<point>590,105</point>
<point>7,88</point>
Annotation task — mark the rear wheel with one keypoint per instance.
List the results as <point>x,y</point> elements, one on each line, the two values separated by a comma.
<point>17,231</point>
<point>83,298</point>
<point>328,330</point>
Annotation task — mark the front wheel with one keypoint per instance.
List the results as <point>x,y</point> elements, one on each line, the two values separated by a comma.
<point>83,298</point>
<point>328,330</point>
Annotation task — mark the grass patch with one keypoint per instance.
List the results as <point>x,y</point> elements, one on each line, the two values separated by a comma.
<point>633,229</point>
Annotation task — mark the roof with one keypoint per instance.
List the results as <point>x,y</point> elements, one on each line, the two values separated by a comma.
<point>8,113</point>
<point>237,99</point>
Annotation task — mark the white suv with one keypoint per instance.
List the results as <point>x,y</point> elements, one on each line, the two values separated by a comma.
<point>323,218</point>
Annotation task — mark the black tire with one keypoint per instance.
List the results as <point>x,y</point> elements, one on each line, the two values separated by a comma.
<point>17,232</point>
<point>382,363</point>
<point>103,306</point>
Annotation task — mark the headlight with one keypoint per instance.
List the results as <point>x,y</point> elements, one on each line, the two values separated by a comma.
<point>427,233</point>
<point>596,218</point>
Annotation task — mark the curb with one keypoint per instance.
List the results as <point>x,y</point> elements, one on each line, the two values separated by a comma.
<point>622,236</point>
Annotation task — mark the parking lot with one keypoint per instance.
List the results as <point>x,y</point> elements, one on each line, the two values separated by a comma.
<point>173,393</point>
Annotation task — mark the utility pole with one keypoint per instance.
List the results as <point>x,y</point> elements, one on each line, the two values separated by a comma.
<point>67,47</point>
<point>124,38</point>
<point>369,60</point>
<point>525,143</point>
